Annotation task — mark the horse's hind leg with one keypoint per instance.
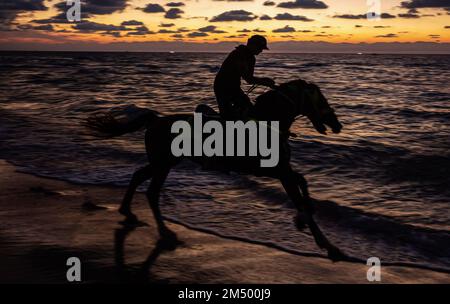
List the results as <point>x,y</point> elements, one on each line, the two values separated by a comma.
<point>153,192</point>
<point>290,184</point>
<point>303,184</point>
<point>138,178</point>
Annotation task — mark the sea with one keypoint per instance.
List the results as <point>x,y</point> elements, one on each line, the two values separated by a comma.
<point>381,186</point>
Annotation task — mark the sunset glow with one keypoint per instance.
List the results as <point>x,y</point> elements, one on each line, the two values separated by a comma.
<point>210,21</point>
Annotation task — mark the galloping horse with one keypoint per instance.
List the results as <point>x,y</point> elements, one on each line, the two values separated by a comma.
<point>283,104</point>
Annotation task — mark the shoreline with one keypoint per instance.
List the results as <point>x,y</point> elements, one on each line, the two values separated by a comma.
<point>45,221</point>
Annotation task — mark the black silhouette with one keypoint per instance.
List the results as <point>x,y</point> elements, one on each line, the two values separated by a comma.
<point>233,103</point>
<point>137,273</point>
<point>283,104</point>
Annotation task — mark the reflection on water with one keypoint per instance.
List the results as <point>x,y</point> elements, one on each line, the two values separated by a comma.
<point>382,183</point>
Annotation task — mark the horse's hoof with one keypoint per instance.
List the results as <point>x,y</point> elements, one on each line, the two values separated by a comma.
<point>169,240</point>
<point>126,211</point>
<point>300,221</point>
<point>335,254</point>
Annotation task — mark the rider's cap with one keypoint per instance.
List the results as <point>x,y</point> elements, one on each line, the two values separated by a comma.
<point>258,40</point>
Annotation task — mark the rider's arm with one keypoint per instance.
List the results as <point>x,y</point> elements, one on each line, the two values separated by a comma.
<point>247,74</point>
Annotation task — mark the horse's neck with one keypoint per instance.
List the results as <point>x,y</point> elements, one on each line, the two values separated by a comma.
<point>274,108</point>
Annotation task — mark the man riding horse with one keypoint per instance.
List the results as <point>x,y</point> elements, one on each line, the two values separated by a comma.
<point>233,103</point>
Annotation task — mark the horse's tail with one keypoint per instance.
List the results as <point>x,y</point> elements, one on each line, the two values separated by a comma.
<point>120,122</point>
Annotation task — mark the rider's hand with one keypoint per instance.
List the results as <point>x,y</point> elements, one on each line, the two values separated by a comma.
<point>268,82</point>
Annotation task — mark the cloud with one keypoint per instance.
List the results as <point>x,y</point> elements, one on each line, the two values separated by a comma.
<point>210,29</point>
<point>164,31</point>
<point>235,15</point>
<point>96,7</point>
<point>265,17</point>
<point>140,31</point>
<point>426,4</point>
<point>132,22</point>
<point>173,13</point>
<point>364,16</point>
<point>88,9</point>
<point>10,9</point>
<point>286,29</point>
<point>308,4</point>
<point>269,3</point>
<point>175,4</point>
<point>287,16</point>
<point>44,27</point>
<point>153,8</point>
<point>387,36</point>
<point>447,27</point>
<point>167,24</point>
<point>61,18</point>
<point>197,34</point>
<point>408,15</point>
<point>89,26</point>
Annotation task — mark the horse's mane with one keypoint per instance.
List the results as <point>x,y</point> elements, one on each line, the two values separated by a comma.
<point>300,83</point>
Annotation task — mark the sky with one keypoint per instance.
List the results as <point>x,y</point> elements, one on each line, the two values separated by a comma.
<point>215,25</point>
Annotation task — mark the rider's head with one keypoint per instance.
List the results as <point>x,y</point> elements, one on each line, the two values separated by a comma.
<point>257,44</point>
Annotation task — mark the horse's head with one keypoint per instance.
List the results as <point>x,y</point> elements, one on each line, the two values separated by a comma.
<point>312,103</point>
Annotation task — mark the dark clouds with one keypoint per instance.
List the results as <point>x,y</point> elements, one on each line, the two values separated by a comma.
<point>269,3</point>
<point>197,34</point>
<point>89,26</point>
<point>387,36</point>
<point>286,29</point>
<point>9,9</point>
<point>89,8</point>
<point>363,16</point>
<point>287,16</point>
<point>211,29</point>
<point>132,22</point>
<point>426,4</point>
<point>265,17</point>
<point>153,8</point>
<point>140,31</point>
<point>173,13</point>
<point>175,4</point>
<point>308,4</point>
<point>235,15</point>
<point>96,7</point>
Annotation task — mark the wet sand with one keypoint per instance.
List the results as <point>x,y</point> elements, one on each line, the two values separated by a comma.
<point>45,221</point>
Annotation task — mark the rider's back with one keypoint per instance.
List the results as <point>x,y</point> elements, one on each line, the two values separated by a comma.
<point>228,79</point>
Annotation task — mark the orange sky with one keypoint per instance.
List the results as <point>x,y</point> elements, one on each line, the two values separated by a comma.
<point>196,22</point>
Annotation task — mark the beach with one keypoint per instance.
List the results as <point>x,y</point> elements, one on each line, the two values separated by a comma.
<point>46,221</point>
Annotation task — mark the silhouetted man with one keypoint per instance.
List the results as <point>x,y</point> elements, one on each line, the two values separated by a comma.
<point>240,63</point>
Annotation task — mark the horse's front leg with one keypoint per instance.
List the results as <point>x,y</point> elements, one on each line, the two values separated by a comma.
<point>290,184</point>
<point>303,184</point>
<point>138,178</point>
